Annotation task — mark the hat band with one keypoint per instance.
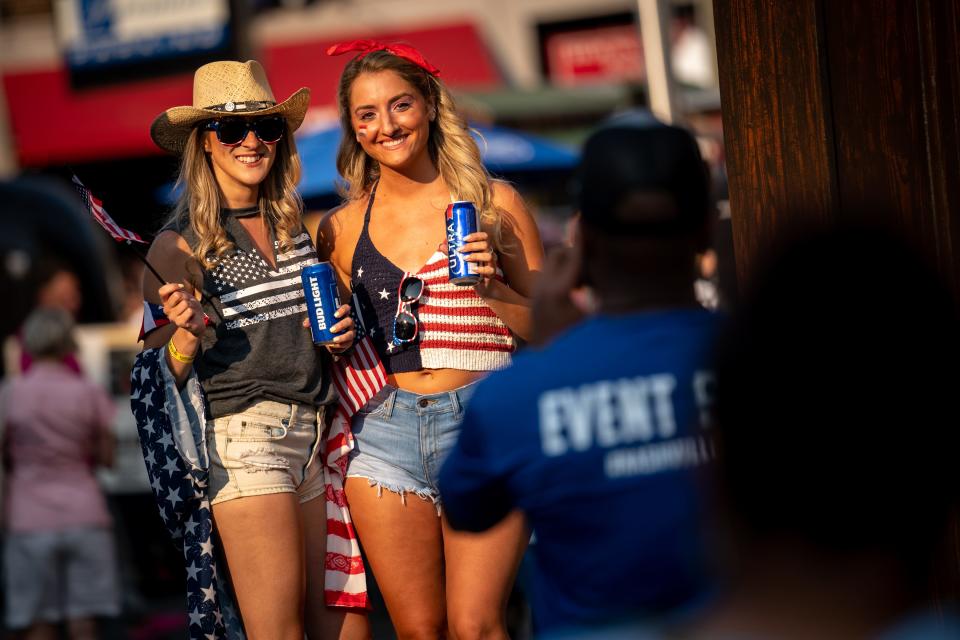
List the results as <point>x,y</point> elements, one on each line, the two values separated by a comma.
<point>240,107</point>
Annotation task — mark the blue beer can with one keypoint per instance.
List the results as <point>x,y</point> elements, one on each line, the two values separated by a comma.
<point>323,299</point>
<point>461,221</point>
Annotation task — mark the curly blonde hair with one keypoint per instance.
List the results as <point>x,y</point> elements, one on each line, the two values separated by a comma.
<point>199,203</point>
<point>452,149</point>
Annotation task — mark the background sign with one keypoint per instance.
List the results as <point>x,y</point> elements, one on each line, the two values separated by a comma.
<point>106,33</point>
<point>599,55</point>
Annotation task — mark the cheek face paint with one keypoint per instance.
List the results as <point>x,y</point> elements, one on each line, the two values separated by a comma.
<point>362,130</point>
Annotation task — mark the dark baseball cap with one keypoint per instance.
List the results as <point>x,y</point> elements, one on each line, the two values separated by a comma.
<point>638,175</point>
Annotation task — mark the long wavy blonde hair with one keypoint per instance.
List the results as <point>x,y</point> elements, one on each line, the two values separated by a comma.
<point>452,149</point>
<point>200,200</point>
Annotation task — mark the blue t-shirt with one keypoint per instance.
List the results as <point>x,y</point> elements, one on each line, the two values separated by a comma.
<point>598,439</point>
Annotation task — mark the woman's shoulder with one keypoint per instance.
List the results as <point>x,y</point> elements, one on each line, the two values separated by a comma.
<point>343,222</point>
<point>506,198</point>
<point>343,217</point>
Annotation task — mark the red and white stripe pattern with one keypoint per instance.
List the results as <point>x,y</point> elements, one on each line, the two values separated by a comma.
<point>153,318</point>
<point>458,330</point>
<point>357,378</point>
<point>95,207</point>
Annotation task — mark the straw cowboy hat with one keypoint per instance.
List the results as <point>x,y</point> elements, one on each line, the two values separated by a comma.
<point>226,89</point>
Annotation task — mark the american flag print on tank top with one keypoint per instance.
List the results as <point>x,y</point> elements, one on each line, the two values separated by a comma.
<point>458,330</point>
<point>252,292</point>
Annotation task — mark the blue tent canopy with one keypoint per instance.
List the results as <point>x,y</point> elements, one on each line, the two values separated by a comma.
<point>503,151</point>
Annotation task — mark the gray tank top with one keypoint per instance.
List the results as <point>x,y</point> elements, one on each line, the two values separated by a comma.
<point>256,347</point>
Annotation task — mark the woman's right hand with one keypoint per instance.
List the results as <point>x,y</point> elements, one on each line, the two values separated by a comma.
<point>182,308</point>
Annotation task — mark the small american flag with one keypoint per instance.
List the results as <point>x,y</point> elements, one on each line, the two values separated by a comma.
<point>96,208</point>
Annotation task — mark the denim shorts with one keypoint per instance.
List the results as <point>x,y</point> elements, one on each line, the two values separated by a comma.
<point>268,448</point>
<point>402,439</point>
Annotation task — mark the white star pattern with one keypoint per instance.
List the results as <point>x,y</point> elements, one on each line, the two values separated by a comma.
<point>390,347</point>
<point>384,294</point>
<point>218,617</point>
<point>209,593</point>
<point>173,497</point>
<point>192,571</point>
<point>206,548</point>
<point>360,273</point>
<point>171,465</point>
<point>191,526</point>
<point>196,618</point>
<point>157,487</point>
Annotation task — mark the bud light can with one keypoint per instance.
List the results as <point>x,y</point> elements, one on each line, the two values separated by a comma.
<point>461,221</point>
<point>323,299</point>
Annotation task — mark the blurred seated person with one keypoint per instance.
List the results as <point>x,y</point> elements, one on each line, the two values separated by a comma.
<point>838,446</point>
<point>598,437</point>
<point>59,563</point>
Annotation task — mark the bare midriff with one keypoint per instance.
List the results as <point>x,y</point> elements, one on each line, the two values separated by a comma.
<point>427,381</point>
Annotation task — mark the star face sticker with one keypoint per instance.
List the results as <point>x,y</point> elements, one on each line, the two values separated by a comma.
<point>390,347</point>
<point>384,294</point>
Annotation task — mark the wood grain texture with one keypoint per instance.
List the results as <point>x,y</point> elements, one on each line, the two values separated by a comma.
<point>834,107</point>
<point>777,131</point>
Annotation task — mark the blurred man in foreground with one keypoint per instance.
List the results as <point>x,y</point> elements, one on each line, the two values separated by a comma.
<point>597,438</point>
<point>837,427</point>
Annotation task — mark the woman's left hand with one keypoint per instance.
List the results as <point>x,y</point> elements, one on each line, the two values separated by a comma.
<point>345,330</point>
<point>478,251</point>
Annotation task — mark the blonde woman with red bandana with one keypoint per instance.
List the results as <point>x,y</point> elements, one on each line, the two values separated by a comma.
<point>405,155</point>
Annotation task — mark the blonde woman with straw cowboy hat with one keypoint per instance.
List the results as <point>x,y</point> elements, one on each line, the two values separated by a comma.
<point>236,235</point>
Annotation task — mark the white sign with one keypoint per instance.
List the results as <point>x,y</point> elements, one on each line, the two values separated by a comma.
<point>105,32</point>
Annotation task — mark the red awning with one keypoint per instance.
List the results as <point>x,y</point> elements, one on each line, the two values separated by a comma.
<point>53,123</point>
<point>457,50</point>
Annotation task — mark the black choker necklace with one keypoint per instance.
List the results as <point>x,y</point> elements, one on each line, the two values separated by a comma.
<point>244,212</point>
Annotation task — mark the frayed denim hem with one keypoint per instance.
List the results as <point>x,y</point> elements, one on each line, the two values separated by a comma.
<point>424,494</point>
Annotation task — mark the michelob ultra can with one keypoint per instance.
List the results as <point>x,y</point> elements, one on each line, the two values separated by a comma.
<point>323,299</point>
<point>461,221</point>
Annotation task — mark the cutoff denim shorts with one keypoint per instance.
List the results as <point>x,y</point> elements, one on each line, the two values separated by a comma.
<point>402,439</point>
<point>268,448</point>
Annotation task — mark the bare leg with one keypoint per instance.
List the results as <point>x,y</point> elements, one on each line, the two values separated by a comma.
<point>263,542</point>
<point>404,547</point>
<point>481,568</point>
<point>322,622</point>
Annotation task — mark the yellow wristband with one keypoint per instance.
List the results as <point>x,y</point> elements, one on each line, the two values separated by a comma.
<point>177,355</point>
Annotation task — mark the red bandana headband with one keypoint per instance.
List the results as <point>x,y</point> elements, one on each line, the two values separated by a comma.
<point>404,51</point>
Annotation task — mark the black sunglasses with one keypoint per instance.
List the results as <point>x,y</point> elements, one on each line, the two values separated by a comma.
<point>405,326</point>
<point>233,131</point>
